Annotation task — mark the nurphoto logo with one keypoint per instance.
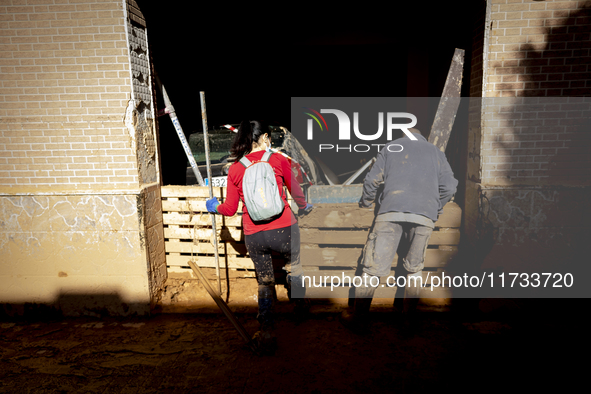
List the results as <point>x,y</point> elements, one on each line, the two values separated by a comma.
<point>344,130</point>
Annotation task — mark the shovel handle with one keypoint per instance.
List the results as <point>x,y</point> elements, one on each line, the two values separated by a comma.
<point>222,305</point>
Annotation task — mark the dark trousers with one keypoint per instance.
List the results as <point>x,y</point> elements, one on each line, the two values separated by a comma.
<point>285,241</point>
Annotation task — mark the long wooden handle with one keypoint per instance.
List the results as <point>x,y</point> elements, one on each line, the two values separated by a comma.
<point>222,305</point>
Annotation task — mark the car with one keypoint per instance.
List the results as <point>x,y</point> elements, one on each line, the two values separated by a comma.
<point>220,141</point>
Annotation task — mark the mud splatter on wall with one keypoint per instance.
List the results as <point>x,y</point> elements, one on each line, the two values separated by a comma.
<point>80,217</point>
<point>139,116</point>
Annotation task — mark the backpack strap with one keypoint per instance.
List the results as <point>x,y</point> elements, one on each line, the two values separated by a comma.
<point>245,162</point>
<point>266,156</point>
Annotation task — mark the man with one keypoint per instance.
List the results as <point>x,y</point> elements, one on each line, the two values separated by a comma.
<point>418,182</point>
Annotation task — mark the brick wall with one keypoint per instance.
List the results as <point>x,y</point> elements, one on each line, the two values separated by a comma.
<point>542,141</point>
<point>538,50</point>
<point>80,212</point>
<point>529,165</point>
<point>64,86</point>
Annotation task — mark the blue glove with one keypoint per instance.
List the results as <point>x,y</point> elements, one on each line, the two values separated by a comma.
<point>306,210</point>
<point>212,205</point>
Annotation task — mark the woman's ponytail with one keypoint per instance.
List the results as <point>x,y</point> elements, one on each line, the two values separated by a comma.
<point>242,143</point>
<point>248,132</point>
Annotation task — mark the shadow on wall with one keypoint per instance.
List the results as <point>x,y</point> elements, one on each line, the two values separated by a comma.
<point>74,305</point>
<point>536,171</point>
<point>548,143</point>
<point>534,214</point>
<point>559,65</point>
<point>556,129</point>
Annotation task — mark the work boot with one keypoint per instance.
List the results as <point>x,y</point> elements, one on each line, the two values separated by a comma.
<point>357,320</point>
<point>265,341</point>
<point>412,292</point>
<point>301,310</point>
<point>266,300</point>
<point>411,300</point>
<point>297,292</point>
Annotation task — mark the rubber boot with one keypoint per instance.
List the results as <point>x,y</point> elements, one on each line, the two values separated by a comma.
<point>297,292</point>
<point>265,339</point>
<point>357,320</point>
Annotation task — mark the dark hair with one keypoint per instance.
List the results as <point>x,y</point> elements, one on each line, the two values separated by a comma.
<point>248,132</point>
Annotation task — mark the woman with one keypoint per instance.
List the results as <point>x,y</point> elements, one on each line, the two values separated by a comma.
<point>280,233</point>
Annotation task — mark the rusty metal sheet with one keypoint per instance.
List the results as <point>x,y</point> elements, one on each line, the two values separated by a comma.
<point>449,103</point>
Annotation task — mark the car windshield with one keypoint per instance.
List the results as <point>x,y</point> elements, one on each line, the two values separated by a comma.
<point>220,141</point>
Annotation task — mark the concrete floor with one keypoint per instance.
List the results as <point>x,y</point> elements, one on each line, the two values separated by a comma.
<point>514,345</point>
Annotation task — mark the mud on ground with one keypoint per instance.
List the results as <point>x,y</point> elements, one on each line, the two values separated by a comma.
<point>517,348</point>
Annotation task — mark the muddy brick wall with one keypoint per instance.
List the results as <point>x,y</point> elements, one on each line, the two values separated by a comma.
<point>80,215</point>
<point>529,155</point>
<point>152,241</point>
<point>80,254</point>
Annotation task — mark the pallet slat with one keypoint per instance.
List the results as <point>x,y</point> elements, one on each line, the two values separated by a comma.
<point>359,237</point>
<point>341,216</point>
<point>351,216</point>
<point>231,248</point>
<point>226,233</point>
<point>185,206</point>
<point>209,261</point>
<point>348,257</point>
<point>196,206</point>
<point>191,191</point>
<point>200,219</point>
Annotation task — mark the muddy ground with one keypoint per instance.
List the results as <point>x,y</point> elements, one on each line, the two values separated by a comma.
<point>479,346</point>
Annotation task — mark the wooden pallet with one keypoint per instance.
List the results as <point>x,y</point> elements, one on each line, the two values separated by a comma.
<point>339,238</point>
<point>188,232</point>
<point>332,239</point>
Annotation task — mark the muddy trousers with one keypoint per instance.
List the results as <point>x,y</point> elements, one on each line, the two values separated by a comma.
<point>381,248</point>
<point>286,242</point>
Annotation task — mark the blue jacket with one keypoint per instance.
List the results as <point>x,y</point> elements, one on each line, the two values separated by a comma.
<point>417,179</point>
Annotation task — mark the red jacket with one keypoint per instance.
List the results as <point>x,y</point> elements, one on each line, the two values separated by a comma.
<point>284,176</point>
